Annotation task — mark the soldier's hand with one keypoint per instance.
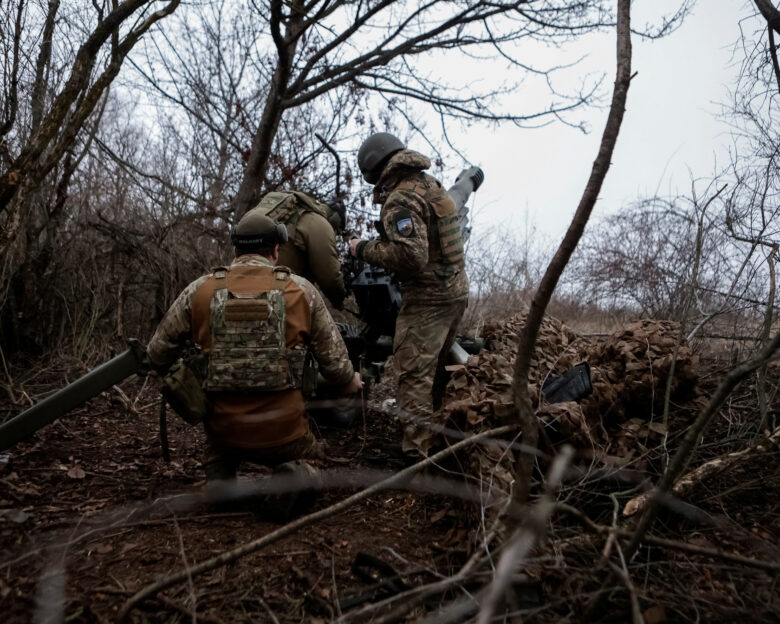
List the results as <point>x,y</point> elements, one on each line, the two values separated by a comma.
<point>353,246</point>
<point>354,386</point>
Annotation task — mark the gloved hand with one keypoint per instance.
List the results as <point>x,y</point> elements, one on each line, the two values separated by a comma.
<point>353,243</point>
<point>475,174</point>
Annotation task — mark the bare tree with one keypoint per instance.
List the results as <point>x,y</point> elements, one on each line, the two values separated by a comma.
<point>75,100</point>
<point>301,51</point>
<point>61,66</point>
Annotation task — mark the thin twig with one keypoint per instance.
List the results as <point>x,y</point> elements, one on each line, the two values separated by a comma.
<point>396,480</point>
<point>270,613</point>
<point>687,305</point>
<point>715,553</point>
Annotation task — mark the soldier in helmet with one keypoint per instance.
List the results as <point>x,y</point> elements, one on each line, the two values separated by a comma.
<point>420,241</point>
<point>255,322</point>
<point>311,249</point>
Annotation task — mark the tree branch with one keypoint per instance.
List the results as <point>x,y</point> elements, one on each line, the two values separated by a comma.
<point>773,54</point>
<point>527,342</point>
<point>770,13</point>
<point>39,156</point>
<point>11,103</point>
<point>81,70</point>
<point>229,556</point>
<point>715,553</point>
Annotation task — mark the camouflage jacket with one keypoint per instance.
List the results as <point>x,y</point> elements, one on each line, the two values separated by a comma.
<point>409,243</point>
<point>324,339</point>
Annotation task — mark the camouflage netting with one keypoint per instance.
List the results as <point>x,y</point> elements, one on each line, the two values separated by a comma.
<point>483,388</point>
<point>621,419</point>
<point>631,367</point>
<point>629,371</point>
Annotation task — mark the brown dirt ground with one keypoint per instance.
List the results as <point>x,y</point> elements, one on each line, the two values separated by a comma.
<point>63,495</point>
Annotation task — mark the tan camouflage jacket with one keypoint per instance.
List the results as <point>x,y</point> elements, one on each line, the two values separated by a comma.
<point>408,242</point>
<point>325,342</point>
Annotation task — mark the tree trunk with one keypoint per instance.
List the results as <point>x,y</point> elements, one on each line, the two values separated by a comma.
<point>251,188</point>
<point>770,13</point>
<point>523,408</point>
<point>41,66</point>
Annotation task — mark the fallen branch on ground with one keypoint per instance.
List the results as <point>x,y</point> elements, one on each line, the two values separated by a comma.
<point>715,466</point>
<point>715,553</point>
<point>230,556</point>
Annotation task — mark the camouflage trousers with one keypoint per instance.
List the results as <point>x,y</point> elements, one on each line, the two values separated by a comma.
<point>222,463</point>
<point>424,334</point>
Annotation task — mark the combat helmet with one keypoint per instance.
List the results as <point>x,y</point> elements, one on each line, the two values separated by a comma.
<point>374,153</point>
<point>257,230</point>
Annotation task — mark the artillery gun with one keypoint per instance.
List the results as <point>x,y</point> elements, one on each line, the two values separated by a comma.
<point>378,298</point>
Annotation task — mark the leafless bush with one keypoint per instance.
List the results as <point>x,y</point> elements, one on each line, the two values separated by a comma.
<point>503,272</point>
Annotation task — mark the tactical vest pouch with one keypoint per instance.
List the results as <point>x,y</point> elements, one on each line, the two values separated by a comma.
<point>183,390</point>
<point>248,351</point>
<point>450,235</point>
<point>310,373</point>
<point>447,223</point>
<point>281,206</point>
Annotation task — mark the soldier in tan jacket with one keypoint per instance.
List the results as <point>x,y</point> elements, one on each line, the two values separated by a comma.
<point>311,249</point>
<point>255,321</point>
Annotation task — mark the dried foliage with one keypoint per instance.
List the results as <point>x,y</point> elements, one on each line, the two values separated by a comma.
<point>121,216</point>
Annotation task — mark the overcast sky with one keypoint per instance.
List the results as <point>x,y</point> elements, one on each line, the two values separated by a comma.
<point>671,126</point>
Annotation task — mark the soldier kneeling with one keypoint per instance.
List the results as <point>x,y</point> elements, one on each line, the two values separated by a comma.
<point>255,322</point>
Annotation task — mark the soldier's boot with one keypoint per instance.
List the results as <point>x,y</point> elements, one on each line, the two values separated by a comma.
<point>305,482</point>
<point>221,484</point>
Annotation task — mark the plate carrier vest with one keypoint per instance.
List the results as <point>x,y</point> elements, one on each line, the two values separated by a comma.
<point>248,351</point>
<point>444,228</point>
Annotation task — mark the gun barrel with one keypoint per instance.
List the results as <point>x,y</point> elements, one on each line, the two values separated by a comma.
<point>71,396</point>
<point>459,192</point>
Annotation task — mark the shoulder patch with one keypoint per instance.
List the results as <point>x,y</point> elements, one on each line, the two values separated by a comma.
<point>405,226</point>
